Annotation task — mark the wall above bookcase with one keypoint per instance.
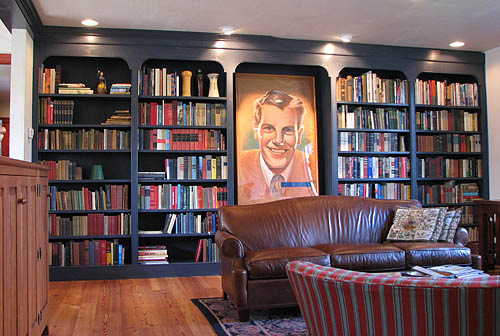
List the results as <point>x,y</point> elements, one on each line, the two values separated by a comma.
<point>122,54</point>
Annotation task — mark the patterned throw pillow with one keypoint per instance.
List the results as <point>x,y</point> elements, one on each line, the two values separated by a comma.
<point>454,225</point>
<point>413,224</point>
<point>439,224</point>
<point>446,225</point>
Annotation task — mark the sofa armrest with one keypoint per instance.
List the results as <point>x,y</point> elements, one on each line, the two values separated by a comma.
<point>461,237</point>
<point>230,246</point>
<point>477,261</point>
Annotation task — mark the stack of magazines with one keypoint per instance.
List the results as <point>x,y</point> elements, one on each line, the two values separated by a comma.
<point>445,271</point>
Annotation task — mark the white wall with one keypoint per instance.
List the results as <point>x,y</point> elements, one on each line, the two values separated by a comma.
<point>493,102</point>
<point>21,95</point>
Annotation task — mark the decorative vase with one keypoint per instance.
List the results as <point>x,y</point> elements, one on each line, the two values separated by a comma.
<point>200,83</point>
<point>186,83</point>
<point>213,90</point>
<point>97,173</point>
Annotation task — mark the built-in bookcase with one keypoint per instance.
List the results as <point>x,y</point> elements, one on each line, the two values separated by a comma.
<point>373,134</point>
<point>449,147</point>
<point>89,219</point>
<point>182,159</point>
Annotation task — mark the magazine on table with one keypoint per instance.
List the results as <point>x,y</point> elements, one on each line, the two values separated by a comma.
<point>445,271</point>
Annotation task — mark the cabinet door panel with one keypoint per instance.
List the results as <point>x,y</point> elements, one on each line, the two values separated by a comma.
<point>41,224</point>
<point>9,251</point>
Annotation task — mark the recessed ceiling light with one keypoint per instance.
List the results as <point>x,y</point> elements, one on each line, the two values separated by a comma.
<point>329,48</point>
<point>457,44</point>
<point>227,30</point>
<point>346,38</point>
<point>220,44</point>
<point>89,22</point>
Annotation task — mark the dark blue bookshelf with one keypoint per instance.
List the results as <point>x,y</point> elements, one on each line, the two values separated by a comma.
<point>56,238</point>
<point>444,107</point>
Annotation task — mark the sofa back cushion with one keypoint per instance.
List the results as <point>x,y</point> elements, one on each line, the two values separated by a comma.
<point>310,221</point>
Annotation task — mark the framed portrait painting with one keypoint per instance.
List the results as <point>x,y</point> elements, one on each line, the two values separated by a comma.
<point>276,137</point>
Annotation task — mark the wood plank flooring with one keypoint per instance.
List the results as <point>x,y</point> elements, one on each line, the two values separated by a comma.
<point>130,307</point>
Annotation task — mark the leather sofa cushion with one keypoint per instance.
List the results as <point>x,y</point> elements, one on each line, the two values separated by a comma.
<point>433,254</point>
<point>270,263</point>
<point>366,257</point>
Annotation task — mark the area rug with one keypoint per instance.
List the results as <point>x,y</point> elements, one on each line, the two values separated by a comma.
<point>223,317</point>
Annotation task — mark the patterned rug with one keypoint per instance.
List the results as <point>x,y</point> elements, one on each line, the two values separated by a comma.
<point>269,322</point>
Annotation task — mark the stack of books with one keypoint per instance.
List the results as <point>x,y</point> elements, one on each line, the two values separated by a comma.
<point>153,255</point>
<point>120,88</point>
<point>119,117</point>
<point>74,88</point>
<point>446,271</point>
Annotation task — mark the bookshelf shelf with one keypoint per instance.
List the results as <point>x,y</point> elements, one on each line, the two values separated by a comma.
<point>451,153</point>
<point>183,151</point>
<point>176,235</point>
<point>87,181</point>
<point>180,127</point>
<point>68,212</point>
<point>426,205</point>
<point>447,132</point>
<point>84,96</point>
<point>176,210</point>
<point>371,104</point>
<point>445,107</point>
<point>366,130</point>
<point>103,237</point>
<point>433,179</point>
<point>371,153</point>
<point>106,151</point>
<point>184,98</point>
<point>96,126</point>
<point>184,181</point>
<point>373,180</point>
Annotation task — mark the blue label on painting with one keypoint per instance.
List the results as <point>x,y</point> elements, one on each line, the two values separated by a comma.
<point>295,184</point>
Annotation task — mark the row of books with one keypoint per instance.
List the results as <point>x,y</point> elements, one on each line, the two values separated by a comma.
<point>49,79</point>
<point>182,139</point>
<point>379,118</point>
<point>109,197</point>
<point>90,225</point>
<point>441,167</point>
<point>371,142</point>
<point>196,167</point>
<point>179,113</point>
<point>152,254</point>
<point>207,251</point>
<point>188,222</point>
<point>473,234</point>
<point>169,196</point>
<point>445,120</point>
<point>373,167</point>
<point>158,82</point>
<point>55,112</point>
<point>107,139</point>
<point>63,170</point>
<point>453,143</point>
<point>120,88</point>
<point>87,253</point>
<point>370,88</point>
<point>434,92</point>
<point>376,190</point>
<point>448,192</point>
<point>469,215</point>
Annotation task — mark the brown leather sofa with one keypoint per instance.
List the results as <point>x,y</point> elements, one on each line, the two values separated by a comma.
<point>257,241</point>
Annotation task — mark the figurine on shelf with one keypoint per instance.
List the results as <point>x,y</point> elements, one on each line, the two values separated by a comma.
<point>200,83</point>
<point>101,86</point>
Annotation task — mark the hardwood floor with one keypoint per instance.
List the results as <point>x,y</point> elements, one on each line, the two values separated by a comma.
<point>130,307</point>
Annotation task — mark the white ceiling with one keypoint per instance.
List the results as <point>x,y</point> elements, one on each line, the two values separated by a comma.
<point>415,23</point>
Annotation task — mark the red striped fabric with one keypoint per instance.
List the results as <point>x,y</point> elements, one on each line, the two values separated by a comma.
<point>341,302</point>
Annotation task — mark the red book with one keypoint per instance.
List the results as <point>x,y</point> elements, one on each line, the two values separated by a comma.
<point>103,252</point>
<point>170,118</point>
<point>198,250</point>
<point>154,113</point>
<point>100,219</point>
<point>174,197</point>
<point>119,197</point>
<point>154,198</point>
<point>113,197</point>
<point>199,191</point>
<point>174,112</point>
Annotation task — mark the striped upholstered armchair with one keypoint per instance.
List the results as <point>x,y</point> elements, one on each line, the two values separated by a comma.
<point>341,302</point>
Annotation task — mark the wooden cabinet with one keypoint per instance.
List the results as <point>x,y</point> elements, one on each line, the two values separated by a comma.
<point>23,248</point>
